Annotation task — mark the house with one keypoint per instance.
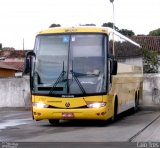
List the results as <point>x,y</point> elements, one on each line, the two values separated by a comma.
<point>135,57</point>
<point>148,42</point>
<point>11,69</point>
<point>12,62</point>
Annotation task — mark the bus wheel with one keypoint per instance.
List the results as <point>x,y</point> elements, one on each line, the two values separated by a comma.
<point>136,103</point>
<point>53,122</point>
<point>114,117</point>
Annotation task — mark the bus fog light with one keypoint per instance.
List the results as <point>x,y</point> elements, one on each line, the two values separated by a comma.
<point>40,105</point>
<point>96,105</point>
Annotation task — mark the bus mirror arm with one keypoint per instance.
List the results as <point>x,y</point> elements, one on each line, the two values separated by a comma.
<point>27,62</point>
<point>114,67</point>
<point>26,66</point>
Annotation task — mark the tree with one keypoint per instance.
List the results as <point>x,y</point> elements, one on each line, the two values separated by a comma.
<point>155,32</point>
<point>109,24</point>
<point>151,61</point>
<point>0,46</point>
<point>126,32</point>
<point>54,25</point>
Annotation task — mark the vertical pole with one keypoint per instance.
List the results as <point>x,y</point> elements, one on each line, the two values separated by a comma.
<point>113,26</point>
<point>23,43</point>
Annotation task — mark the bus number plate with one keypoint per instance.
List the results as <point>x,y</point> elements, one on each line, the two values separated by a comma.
<point>68,115</point>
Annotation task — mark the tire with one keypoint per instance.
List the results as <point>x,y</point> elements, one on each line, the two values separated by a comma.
<point>136,102</point>
<point>53,121</point>
<point>138,97</point>
<point>114,118</point>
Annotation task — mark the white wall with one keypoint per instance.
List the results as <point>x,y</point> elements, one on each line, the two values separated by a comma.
<point>133,61</point>
<point>15,92</point>
<point>151,90</point>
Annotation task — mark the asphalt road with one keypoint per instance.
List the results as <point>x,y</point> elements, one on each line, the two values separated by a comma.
<point>17,129</point>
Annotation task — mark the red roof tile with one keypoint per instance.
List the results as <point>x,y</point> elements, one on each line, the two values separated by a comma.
<point>4,65</point>
<point>148,42</point>
<point>18,66</point>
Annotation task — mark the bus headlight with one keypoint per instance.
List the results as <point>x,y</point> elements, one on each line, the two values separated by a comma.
<point>96,105</point>
<point>40,105</point>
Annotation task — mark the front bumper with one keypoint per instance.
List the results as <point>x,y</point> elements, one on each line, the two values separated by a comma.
<point>102,113</point>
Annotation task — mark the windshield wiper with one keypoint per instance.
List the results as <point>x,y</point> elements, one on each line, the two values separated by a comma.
<point>78,82</point>
<point>58,80</point>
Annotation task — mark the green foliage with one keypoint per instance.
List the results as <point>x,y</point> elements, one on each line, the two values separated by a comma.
<point>151,61</point>
<point>127,32</point>
<point>109,24</point>
<point>8,48</point>
<point>0,46</point>
<point>155,32</point>
<point>54,25</point>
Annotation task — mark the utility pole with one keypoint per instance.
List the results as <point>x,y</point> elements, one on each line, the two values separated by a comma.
<point>113,25</point>
<point>113,14</point>
<point>23,43</point>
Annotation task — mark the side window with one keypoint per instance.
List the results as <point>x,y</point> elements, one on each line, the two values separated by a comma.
<point>116,45</point>
<point>111,44</point>
<point>110,55</point>
<point>124,49</point>
<point>119,46</point>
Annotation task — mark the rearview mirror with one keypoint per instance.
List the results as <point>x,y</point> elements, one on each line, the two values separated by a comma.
<point>27,61</point>
<point>114,67</point>
<point>26,66</point>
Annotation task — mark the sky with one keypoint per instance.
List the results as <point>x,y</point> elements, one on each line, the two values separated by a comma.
<point>23,19</point>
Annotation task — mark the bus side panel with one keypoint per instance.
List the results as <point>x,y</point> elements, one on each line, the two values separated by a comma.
<point>125,87</point>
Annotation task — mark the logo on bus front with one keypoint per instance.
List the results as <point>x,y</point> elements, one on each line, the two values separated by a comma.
<point>67,104</point>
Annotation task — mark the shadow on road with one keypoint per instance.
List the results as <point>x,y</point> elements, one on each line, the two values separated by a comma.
<point>90,123</point>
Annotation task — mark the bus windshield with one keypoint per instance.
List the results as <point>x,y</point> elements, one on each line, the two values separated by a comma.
<point>72,64</point>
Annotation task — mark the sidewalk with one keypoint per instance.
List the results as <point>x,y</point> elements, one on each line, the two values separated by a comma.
<point>149,107</point>
<point>15,109</point>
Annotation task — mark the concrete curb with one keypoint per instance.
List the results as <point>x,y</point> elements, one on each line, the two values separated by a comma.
<point>149,108</point>
<point>15,109</point>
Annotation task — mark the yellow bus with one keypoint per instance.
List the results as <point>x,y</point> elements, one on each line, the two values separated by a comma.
<point>74,74</point>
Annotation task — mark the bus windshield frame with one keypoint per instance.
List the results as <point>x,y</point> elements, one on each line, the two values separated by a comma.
<point>72,64</point>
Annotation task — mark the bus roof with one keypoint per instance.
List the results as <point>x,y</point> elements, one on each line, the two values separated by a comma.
<point>85,29</point>
<point>75,29</point>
